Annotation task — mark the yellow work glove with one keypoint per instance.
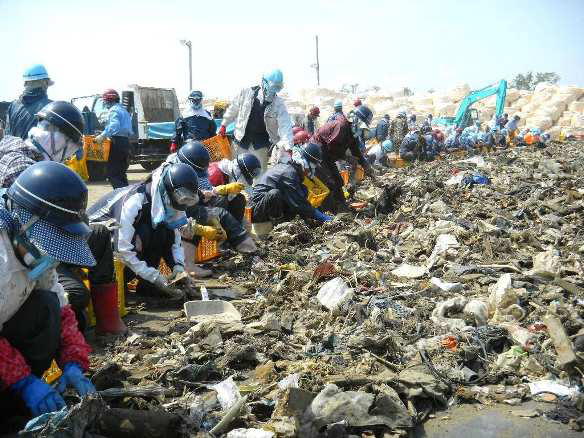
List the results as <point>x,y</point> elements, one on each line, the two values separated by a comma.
<point>229,189</point>
<point>210,233</point>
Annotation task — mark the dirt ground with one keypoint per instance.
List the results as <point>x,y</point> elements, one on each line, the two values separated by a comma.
<point>97,189</point>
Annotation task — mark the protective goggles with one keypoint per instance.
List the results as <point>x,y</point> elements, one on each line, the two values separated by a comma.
<point>185,197</point>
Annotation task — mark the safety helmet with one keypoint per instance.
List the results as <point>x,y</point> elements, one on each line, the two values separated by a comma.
<point>357,102</point>
<point>301,137</point>
<point>413,118</point>
<point>55,193</point>
<point>196,95</point>
<point>459,130</point>
<point>338,104</point>
<point>249,165</point>
<point>179,178</point>
<point>110,95</point>
<point>402,114</point>
<point>275,79</point>
<point>386,116</point>
<point>387,146</point>
<point>66,117</point>
<point>505,115</point>
<point>312,152</point>
<point>195,154</point>
<point>296,130</point>
<point>364,114</point>
<point>35,73</point>
<point>430,116</point>
<point>516,117</point>
<point>315,111</point>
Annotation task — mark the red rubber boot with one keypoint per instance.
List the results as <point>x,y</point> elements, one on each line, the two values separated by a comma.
<point>105,306</point>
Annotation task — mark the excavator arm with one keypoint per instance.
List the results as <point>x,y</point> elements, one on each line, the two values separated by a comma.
<point>501,92</point>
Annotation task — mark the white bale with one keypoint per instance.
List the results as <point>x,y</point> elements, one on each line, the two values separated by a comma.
<point>545,87</point>
<point>542,123</point>
<point>577,107</point>
<point>447,110</point>
<point>554,132</point>
<point>577,121</point>
<point>459,92</point>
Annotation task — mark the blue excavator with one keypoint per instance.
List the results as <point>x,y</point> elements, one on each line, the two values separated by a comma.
<point>466,116</point>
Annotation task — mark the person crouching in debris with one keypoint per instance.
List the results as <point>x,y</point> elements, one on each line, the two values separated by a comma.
<point>377,153</point>
<point>149,215</point>
<point>42,224</point>
<point>219,213</point>
<point>413,147</point>
<point>280,195</point>
<point>336,139</point>
<point>57,137</point>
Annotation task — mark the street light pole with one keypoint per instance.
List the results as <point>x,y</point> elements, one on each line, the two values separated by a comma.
<point>189,44</point>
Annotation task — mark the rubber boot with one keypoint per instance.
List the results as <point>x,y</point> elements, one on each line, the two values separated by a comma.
<point>105,306</point>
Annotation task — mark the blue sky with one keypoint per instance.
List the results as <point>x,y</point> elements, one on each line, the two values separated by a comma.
<point>88,46</point>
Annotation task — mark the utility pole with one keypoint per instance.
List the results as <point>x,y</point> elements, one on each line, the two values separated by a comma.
<point>317,64</point>
<point>189,44</point>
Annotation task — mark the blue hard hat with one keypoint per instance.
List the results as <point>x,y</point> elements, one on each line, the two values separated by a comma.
<point>275,78</point>
<point>364,113</point>
<point>54,193</point>
<point>338,104</point>
<point>249,165</point>
<point>64,116</point>
<point>312,152</point>
<point>387,146</point>
<point>195,154</point>
<point>195,94</point>
<point>35,72</point>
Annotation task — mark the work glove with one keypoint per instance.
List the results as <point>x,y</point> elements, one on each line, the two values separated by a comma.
<point>230,189</point>
<point>222,131</point>
<point>320,216</point>
<point>100,138</point>
<point>173,147</point>
<point>38,396</point>
<point>177,270</point>
<point>162,285</point>
<point>211,233</point>
<point>73,376</point>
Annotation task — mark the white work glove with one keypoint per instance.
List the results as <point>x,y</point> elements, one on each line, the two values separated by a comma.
<point>100,138</point>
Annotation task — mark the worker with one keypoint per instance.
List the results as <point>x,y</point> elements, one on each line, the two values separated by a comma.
<point>243,169</point>
<point>377,153</point>
<point>195,124</point>
<point>21,113</point>
<point>222,207</point>
<point>336,139</point>
<point>382,129</point>
<point>56,138</point>
<point>398,128</point>
<point>503,120</point>
<point>413,147</point>
<point>279,195</point>
<point>357,103</point>
<point>428,121</point>
<point>412,123</point>
<point>452,143</point>
<point>261,119</point>
<point>219,108</point>
<point>310,121</point>
<point>41,225</point>
<point>511,127</point>
<point>337,111</point>
<point>118,127</point>
<point>149,215</point>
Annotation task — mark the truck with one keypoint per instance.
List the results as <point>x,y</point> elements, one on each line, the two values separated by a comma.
<point>153,112</point>
<point>466,115</point>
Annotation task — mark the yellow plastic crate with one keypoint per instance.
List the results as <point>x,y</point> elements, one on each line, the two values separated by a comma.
<point>460,153</point>
<point>317,191</point>
<point>218,147</point>
<point>206,250</point>
<point>119,272</point>
<point>396,161</point>
<point>78,166</point>
<point>94,152</point>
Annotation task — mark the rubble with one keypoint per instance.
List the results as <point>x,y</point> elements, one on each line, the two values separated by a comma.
<point>370,323</point>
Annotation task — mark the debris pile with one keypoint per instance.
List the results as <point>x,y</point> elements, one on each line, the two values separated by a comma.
<point>365,326</point>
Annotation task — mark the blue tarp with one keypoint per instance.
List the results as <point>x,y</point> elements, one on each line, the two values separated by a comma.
<point>161,130</point>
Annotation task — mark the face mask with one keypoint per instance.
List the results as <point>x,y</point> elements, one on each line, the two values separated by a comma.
<point>270,90</point>
<point>196,104</point>
<point>54,144</point>
<point>185,197</point>
<point>173,218</point>
<point>37,262</point>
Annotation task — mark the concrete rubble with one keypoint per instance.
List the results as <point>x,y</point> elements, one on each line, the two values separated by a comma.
<point>368,325</point>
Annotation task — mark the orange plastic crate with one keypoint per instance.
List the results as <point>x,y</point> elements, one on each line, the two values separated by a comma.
<point>218,147</point>
<point>206,250</point>
<point>345,176</point>
<point>360,173</point>
<point>93,151</point>
<point>397,162</point>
